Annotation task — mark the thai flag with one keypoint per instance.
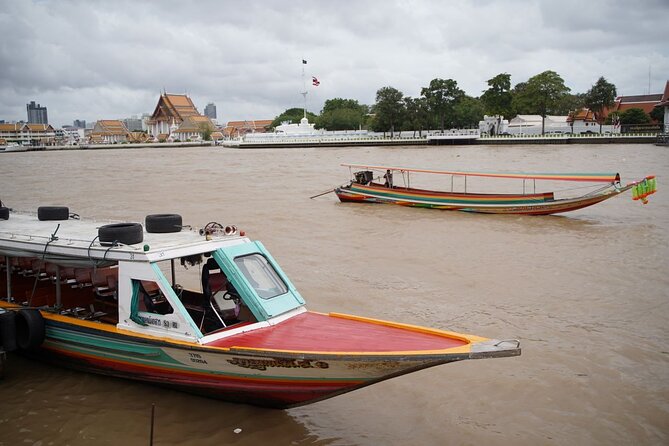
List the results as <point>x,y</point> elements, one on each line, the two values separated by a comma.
<point>616,122</point>
<point>315,81</point>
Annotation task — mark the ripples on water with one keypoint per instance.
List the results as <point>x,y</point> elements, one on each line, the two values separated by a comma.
<point>586,293</point>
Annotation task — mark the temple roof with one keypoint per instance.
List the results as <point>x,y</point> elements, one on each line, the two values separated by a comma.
<point>664,101</point>
<point>174,107</point>
<point>110,127</point>
<point>194,124</point>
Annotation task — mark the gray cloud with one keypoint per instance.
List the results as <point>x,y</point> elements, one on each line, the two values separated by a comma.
<point>100,60</point>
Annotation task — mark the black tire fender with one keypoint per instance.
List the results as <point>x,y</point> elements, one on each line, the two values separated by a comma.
<point>161,223</point>
<point>126,233</point>
<point>8,331</point>
<point>53,213</point>
<point>30,330</point>
<point>4,213</point>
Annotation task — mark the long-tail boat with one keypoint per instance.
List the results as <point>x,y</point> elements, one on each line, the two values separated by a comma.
<point>108,299</point>
<point>365,186</point>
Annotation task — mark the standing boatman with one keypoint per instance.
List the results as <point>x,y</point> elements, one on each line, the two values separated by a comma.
<point>389,179</point>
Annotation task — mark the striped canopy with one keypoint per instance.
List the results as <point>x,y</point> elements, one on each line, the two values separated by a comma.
<point>589,177</point>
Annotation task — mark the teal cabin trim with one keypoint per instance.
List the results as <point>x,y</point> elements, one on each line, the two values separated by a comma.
<point>262,309</point>
<point>134,304</point>
<point>174,300</point>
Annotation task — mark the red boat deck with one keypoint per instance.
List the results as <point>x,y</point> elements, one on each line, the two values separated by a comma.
<point>315,332</point>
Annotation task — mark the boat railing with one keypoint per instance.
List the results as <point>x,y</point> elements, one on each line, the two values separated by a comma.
<point>559,135</point>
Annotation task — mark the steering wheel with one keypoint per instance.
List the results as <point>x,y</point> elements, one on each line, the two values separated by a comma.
<point>231,294</point>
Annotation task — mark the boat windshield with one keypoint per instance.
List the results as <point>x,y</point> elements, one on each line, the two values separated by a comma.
<point>261,275</point>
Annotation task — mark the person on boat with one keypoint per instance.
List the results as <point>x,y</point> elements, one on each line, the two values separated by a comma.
<point>389,179</point>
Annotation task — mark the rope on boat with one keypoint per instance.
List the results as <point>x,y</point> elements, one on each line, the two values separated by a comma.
<point>52,238</point>
<point>596,191</point>
<point>88,251</point>
<point>114,244</point>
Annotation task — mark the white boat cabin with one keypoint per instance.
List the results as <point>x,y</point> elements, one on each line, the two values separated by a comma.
<point>191,285</point>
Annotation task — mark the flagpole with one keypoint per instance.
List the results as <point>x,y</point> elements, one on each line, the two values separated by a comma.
<point>304,88</point>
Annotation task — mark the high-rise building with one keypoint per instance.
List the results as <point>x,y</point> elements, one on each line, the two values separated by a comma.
<point>210,110</point>
<point>133,124</point>
<point>79,123</point>
<point>36,114</point>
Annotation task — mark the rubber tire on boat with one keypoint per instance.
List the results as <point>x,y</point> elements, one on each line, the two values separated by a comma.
<point>126,233</point>
<point>162,223</point>
<point>4,213</point>
<point>8,331</point>
<point>53,213</point>
<point>30,329</point>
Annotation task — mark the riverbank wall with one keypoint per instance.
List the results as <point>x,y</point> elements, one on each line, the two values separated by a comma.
<point>397,141</point>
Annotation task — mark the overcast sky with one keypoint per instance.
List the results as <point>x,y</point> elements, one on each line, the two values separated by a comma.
<point>111,59</point>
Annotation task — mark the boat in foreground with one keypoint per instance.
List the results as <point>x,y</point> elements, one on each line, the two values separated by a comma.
<point>107,298</point>
<point>365,187</point>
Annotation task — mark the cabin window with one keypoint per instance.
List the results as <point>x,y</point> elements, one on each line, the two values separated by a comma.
<point>148,298</point>
<point>261,275</point>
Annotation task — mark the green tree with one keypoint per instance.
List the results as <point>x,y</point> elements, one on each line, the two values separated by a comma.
<point>468,112</point>
<point>634,116</point>
<point>293,115</point>
<point>600,97</point>
<point>205,131</point>
<point>657,114</point>
<point>342,114</point>
<point>570,103</point>
<point>441,96</point>
<point>497,99</point>
<point>520,101</point>
<point>542,94</point>
<point>388,110</point>
<point>417,115</point>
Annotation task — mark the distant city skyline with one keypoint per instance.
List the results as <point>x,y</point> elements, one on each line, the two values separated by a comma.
<point>249,61</point>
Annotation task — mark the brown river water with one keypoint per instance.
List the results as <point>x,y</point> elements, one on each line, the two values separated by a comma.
<point>586,293</point>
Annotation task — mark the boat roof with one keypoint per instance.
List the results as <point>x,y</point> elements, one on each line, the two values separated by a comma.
<point>23,234</point>
<point>610,177</point>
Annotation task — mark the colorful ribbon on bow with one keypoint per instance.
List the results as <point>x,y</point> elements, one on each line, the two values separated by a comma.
<point>644,188</point>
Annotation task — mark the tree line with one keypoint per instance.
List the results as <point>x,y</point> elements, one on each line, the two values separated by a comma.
<point>443,105</point>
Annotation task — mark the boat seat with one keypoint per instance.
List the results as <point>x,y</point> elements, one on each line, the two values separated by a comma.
<point>38,265</point>
<point>37,269</point>
<point>83,277</point>
<point>24,265</point>
<point>151,288</point>
<point>107,289</point>
<point>217,282</point>
<point>153,298</point>
<point>100,275</point>
<point>66,273</point>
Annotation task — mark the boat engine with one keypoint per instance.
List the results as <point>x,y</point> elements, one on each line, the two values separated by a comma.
<point>364,177</point>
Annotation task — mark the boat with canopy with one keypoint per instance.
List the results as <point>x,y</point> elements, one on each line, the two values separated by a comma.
<point>115,299</point>
<point>380,184</point>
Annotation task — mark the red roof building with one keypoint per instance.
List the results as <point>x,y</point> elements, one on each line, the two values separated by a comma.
<point>664,102</point>
<point>238,128</point>
<point>645,102</point>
